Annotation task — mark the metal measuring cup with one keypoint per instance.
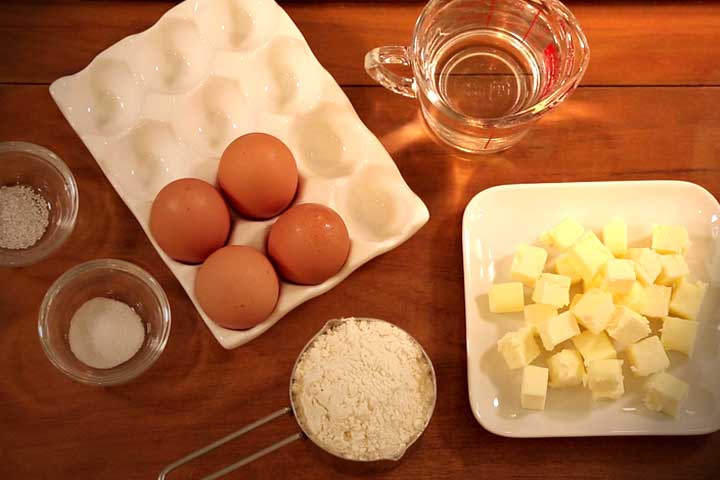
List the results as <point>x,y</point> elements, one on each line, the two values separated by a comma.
<point>332,457</point>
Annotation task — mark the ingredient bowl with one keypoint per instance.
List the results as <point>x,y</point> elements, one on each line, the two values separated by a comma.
<point>45,173</point>
<point>115,279</point>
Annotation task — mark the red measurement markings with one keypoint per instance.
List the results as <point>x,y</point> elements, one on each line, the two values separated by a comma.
<point>492,10</point>
<point>552,68</point>
<point>532,24</point>
<point>492,131</point>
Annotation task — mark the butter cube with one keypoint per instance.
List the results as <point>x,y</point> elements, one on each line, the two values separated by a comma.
<point>620,275</point>
<point>594,347</point>
<point>518,348</point>
<point>537,313</point>
<point>594,310</point>
<point>665,393</point>
<point>679,334</point>
<point>647,264</point>
<point>528,263</point>
<point>647,357</point>
<point>506,297</point>
<point>598,281</point>
<point>563,266</point>
<point>557,330</point>
<point>562,235</point>
<point>552,289</point>
<point>670,239</point>
<point>575,299</point>
<point>633,299</point>
<point>534,387</point>
<point>566,369</point>
<point>687,299</point>
<point>588,255</point>
<point>615,237</point>
<point>656,301</point>
<point>674,268</point>
<point>627,326</point>
<point>605,379</point>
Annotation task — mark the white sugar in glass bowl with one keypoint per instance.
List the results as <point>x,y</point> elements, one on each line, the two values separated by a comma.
<point>108,278</point>
<point>23,163</point>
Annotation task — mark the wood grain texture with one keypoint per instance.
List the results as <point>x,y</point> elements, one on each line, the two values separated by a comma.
<point>51,427</point>
<point>197,391</point>
<point>673,43</point>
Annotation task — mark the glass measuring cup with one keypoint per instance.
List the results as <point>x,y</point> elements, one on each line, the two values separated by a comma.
<point>351,465</point>
<point>485,70</point>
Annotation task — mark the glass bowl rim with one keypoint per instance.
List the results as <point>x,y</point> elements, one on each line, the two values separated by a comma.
<point>108,265</point>
<point>42,250</point>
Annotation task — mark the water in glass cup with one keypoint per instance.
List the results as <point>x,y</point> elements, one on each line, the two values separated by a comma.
<point>485,70</point>
<point>485,73</point>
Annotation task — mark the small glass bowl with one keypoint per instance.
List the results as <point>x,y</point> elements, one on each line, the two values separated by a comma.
<point>109,278</point>
<point>29,164</point>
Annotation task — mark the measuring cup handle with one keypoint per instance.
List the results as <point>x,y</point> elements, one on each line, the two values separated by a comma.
<point>243,461</point>
<point>375,66</point>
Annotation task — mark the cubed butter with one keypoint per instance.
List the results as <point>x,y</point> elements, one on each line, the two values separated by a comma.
<point>566,369</point>
<point>655,301</point>
<point>537,313</point>
<point>576,298</point>
<point>598,281</point>
<point>615,237</point>
<point>633,299</point>
<point>534,387</point>
<point>563,266</point>
<point>620,275</point>
<point>605,379</point>
<point>528,263</point>
<point>594,310</point>
<point>506,297</point>
<point>627,326</point>
<point>594,347</point>
<point>679,334</point>
<point>687,299</point>
<point>552,289</point>
<point>647,357</point>
<point>558,329</point>
<point>588,255</point>
<point>563,235</point>
<point>665,393</point>
<point>518,348</point>
<point>673,269</point>
<point>647,264</point>
<point>670,239</point>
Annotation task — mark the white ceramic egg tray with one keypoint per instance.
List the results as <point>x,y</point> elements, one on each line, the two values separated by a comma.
<point>164,104</point>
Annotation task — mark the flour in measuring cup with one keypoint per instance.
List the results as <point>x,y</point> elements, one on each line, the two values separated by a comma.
<point>363,390</point>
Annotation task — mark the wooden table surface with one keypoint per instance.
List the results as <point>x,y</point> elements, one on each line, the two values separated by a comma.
<point>647,109</point>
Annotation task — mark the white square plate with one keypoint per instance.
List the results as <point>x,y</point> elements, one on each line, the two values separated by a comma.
<point>498,219</point>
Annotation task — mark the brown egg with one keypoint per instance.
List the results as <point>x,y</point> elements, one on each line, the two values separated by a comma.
<point>258,175</point>
<point>309,243</point>
<point>237,287</point>
<point>189,220</point>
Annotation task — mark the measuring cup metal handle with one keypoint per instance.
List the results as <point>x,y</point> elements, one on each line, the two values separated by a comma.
<point>376,61</point>
<point>243,461</point>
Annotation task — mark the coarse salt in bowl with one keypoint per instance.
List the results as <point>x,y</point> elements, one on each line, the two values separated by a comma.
<point>42,181</point>
<point>108,278</point>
